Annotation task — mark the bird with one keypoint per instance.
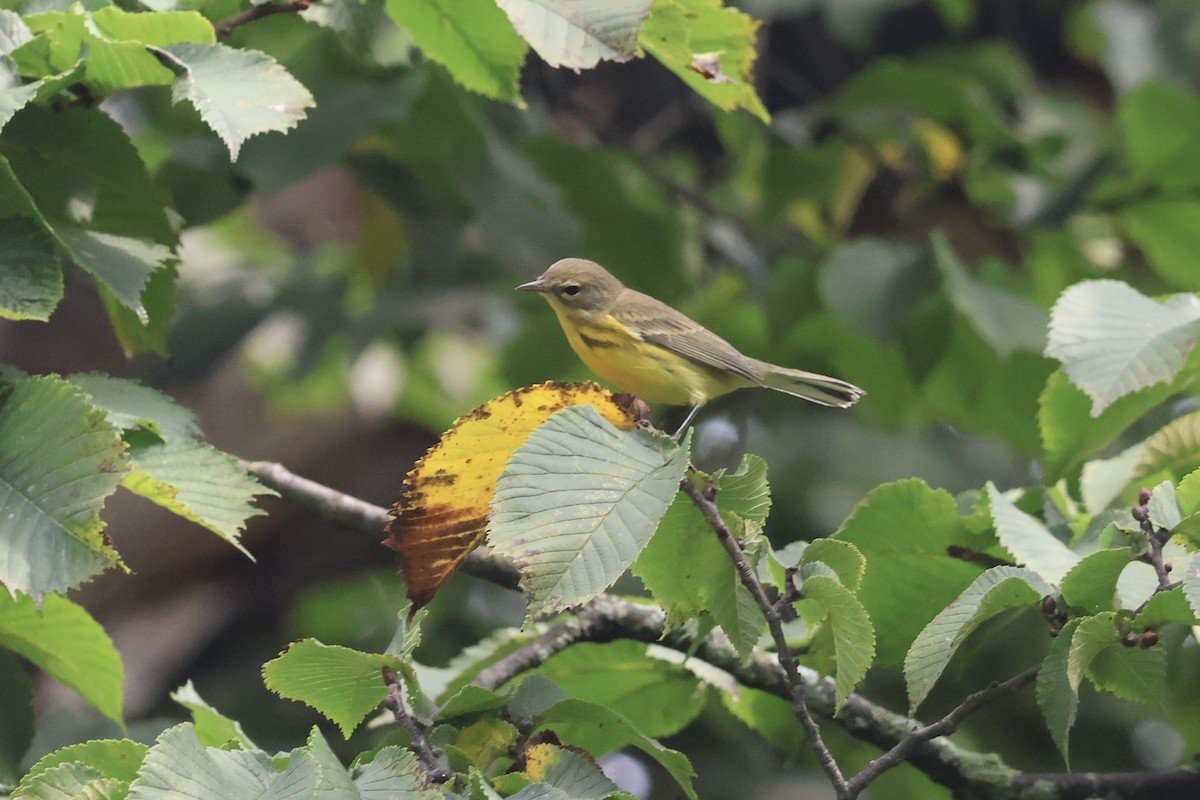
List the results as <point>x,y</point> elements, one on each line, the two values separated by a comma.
<point>645,347</point>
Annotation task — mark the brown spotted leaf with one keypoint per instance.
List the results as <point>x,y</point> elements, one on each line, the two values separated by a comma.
<point>443,508</point>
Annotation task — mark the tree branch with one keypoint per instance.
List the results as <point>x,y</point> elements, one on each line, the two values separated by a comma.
<point>703,500</point>
<point>350,512</point>
<point>972,776</point>
<point>434,768</point>
<point>226,26</point>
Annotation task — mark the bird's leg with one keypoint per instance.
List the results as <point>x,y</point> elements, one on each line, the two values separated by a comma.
<point>691,416</point>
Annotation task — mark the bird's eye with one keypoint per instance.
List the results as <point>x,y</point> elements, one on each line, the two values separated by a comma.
<point>571,289</point>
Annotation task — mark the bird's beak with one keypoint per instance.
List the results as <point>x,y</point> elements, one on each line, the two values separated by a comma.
<point>533,286</point>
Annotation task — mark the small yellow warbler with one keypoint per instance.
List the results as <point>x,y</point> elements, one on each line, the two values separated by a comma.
<point>645,347</point>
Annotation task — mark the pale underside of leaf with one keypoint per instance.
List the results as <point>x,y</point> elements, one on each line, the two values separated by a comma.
<point>577,503</point>
<point>579,35</point>
<point>1112,340</point>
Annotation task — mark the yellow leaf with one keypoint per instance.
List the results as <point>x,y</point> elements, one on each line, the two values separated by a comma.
<point>443,508</point>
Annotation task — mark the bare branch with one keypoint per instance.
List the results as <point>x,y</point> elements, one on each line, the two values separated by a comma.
<point>703,500</point>
<point>362,516</point>
<point>226,26</point>
<point>434,768</point>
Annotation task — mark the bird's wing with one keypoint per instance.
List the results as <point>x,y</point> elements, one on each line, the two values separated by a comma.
<point>656,322</point>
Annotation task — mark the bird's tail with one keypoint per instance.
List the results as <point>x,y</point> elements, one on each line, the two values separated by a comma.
<point>816,388</point>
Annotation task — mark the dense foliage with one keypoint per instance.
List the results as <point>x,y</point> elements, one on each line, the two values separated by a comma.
<point>987,214</point>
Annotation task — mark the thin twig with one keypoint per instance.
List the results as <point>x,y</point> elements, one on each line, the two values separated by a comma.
<point>703,500</point>
<point>417,740</point>
<point>943,727</point>
<point>362,516</point>
<point>226,26</point>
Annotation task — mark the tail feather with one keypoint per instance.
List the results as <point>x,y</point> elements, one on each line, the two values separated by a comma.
<point>816,388</point>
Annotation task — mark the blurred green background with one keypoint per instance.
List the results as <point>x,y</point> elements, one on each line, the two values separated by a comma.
<point>346,292</point>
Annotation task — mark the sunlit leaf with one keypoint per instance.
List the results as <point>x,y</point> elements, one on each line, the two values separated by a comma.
<point>1027,540</point>
<point>59,460</point>
<point>444,502</point>
<point>571,33</point>
<point>343,684</point>
<point>239,93</point>
<point>709,46</point>
<point>578,501</point>
<point>472,39</point>
<point>853,634</point>
<point>213,728</point>
<point>63,640</point>
<point>1092,583</point>
<point>1113,341</point>
<point>114,760</point>
<point>906,532</point>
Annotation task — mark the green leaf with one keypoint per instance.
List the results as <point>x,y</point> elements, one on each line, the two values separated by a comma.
<point>110,64</point>
<point>14,94</point>
<point>470,700</point>
<point>472,39</point>
<point>905,530</point>
<point>578,34</point>
<point>147,333</point>
<point>179,765</point>
<point>16,709</point>
<point>80,169</point>
<point>59,460</point>
<point>122,264</point>
<point>158,28</point>
<point>1056,697</point>
<point>343,684</point>
<point>570,719</point>
<point>63,640</point>
<point>73,780</point>
<point>197,482</point>
<point>132,406</point>
<point>853,636</point>
<point>1131,673</point>
<point>213,728</point>
<point>393,774</point>
<point>1113,341</point>
<point>768,715</point>
<point>1092,583</point>
<point>32,283</point>
<point>846,561</point>
<point>709,46</point>
<point>689,573</point>
<point>1070,434</point>
<point>113,760</point>
<point>1166,608</point>
<point>745,492</point>
<point>1191,585</point>
<point>1093,635</point>
<point>577,502</point>
<point>1168,232</point>
<point>1161,129</point>
<point>992,593</point>
<point>1027,540</point>
<point>239,93</point>
<point>1006,321</point>
<point>869,284</point>
<point>1174,449</point>
<point>333,779</point>
<point>561,774</point>
<point>658,698</point>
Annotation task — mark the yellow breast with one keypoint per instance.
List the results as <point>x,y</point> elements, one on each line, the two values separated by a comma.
<point>647,370</point>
